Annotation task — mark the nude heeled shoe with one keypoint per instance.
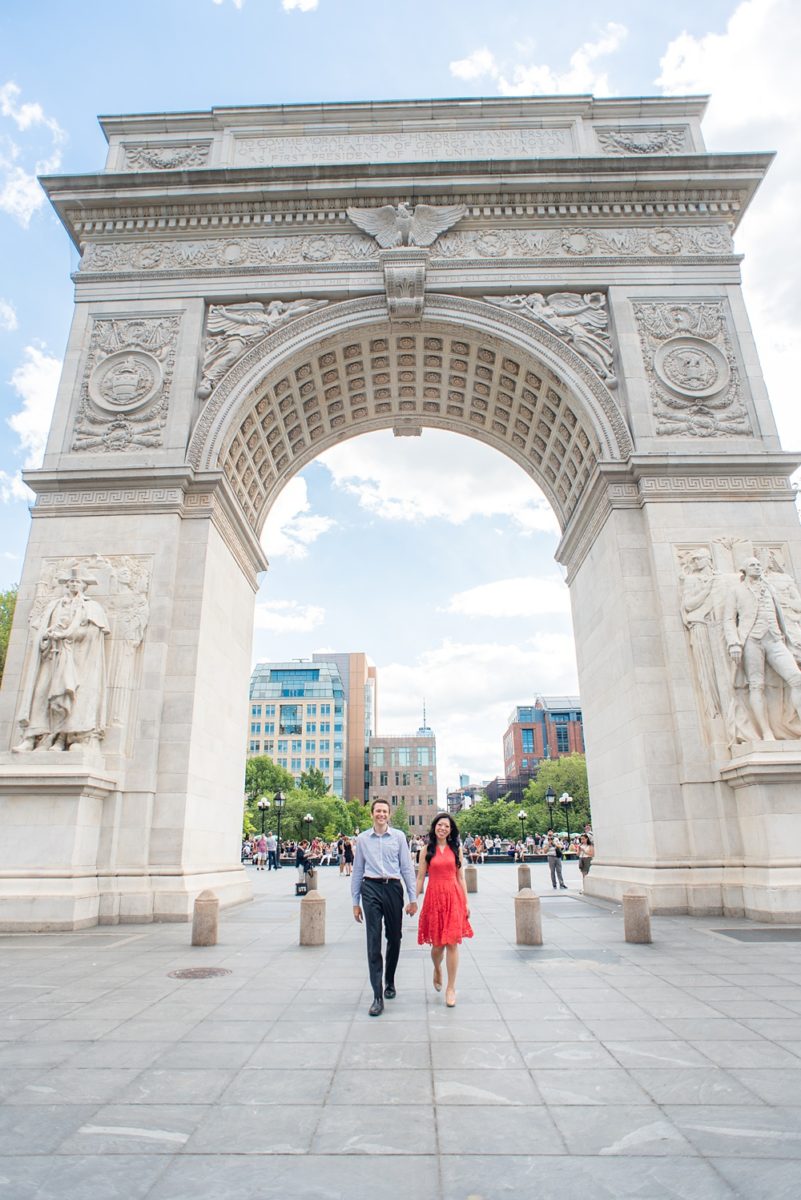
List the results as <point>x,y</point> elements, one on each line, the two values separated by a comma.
<point>437,979</point>
<point>450,998</point>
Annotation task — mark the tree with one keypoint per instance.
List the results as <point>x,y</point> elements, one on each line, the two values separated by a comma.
<point>359,814</point>
<point>263,777</point>
<point>400,819</point>
<point>490,818</point>
<point>567,774</point>
<point>8,602</point>
<point>314,781</point>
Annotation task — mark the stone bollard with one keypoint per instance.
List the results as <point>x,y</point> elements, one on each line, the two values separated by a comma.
<point>204,919</point>
<point>528,918</point>
<point>312,919</point>
<point>311,881</point>
<point>523,878</point>
<point>636,916</point>
<point>471,878</point>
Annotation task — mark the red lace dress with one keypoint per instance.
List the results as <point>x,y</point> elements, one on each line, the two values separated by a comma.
<point>443,919</point>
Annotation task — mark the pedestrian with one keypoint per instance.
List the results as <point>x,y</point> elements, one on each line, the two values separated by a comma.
<point>348,856</point>
<point>381,861</point>
<point>272,852</point>
<point>341,854</point>
<point>586,853</point>
<point>260,846</point>
<point>444,919</point>
<point>554,853</point>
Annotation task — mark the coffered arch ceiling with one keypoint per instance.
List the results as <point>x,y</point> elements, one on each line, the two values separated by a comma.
<point>466,367</point>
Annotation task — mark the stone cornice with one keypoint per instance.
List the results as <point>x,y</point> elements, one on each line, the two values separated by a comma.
<point>653,479</point>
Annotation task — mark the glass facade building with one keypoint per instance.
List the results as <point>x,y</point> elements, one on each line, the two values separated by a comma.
<point>298,716</point>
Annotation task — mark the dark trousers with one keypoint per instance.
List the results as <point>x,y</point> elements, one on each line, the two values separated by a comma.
<point>382,902</point>
<point>272,860</point>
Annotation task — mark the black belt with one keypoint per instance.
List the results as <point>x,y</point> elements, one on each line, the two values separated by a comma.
<point>383,878</point>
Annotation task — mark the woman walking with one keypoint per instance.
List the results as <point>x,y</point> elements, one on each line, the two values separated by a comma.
<point>444,917</point>
<point>586,853</point>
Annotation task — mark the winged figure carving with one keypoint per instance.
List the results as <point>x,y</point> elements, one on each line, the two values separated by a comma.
<point>405,226</point>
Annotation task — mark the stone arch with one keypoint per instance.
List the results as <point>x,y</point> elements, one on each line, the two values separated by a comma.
<point>467,367</point>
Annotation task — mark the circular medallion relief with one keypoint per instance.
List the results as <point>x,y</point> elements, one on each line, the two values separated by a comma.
<point>125,381</point>
<point>691,367</point>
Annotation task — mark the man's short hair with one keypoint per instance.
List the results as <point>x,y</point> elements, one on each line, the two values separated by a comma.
<point>377,801</point>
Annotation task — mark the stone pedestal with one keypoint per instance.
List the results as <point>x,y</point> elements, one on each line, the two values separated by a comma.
<point>205,919</point>
<point>528,918</point>
<point>312,920</point>
<point>523,878</point>
<point>471,878</point>
<point>636,917</point>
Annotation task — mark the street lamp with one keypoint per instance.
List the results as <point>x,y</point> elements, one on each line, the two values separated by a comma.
<point>309,820</point>
<point>279,799</point>
<point>263,806</point>
<point>550,800</point>
<point>521,816</point>
<point>566,801</point>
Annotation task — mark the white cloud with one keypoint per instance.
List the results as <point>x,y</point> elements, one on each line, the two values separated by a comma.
<point>419,480</point>
<point>236,3</point>
<point>20,194</point>
<point>301,5</point>
<point>526,78</point>
<point>751,72</point>
<point>470,690</point>
<point>36,382</point>
<point>8,317</point>
<point>480,62</point>
<point>290,527</point>
<point>287,616</point>
<point>527,596</point>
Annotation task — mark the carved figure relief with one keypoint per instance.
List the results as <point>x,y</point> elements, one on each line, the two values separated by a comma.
<point>81,672</point>
<point>231,328</point>
<point>125,393</point>
<point>582,321</point>
<point>400,225</point>
<point>224,253</point>
<point>690,365</point>
<point>742,612</point>
<point>166,158</point>
<point>640,140</point>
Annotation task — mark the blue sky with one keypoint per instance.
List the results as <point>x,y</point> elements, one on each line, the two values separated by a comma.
<point>477,620</point>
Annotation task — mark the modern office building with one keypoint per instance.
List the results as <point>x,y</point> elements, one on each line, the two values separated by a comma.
<point>298,715</point>
<point>465,796</point>
<point>549,728</point>
<point>403,770</point>
<point>358,677</point>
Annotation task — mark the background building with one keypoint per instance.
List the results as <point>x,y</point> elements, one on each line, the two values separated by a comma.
<point>549,728</point>
<point>465,795</point>
<point>403,770</point>
<point>358,677</point>
<point>297,716</point>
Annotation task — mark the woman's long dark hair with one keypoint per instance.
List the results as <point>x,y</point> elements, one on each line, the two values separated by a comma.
<point>453,838</point>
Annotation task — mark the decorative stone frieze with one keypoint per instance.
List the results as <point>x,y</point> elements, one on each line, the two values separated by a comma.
<point>582,321</point>
<point>231,328</point>
<point>126,385</point>
<point>166,157</point>
<point>640,139</point>
<point>187,255</point>
<point>691,369</point>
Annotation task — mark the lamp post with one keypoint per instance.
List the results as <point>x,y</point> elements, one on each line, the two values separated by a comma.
<point>309,821</point>
<point>565,800</point>
<point>550,800</point>
<point>521,816</point>
<point>279,799</point>
<point>263,806</point>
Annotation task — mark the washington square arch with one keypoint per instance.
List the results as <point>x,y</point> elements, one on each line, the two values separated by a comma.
<point>553,276</point>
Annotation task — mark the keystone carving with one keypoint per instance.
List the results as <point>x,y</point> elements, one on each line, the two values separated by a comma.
<point>405,281</point>
<point>582,321</point>
<point>232,328</point>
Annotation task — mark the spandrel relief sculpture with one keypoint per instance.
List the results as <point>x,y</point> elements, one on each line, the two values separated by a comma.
<point>742,612</point>
<point>87,628</point>
<point>232,328</point>
<point>582,321</point>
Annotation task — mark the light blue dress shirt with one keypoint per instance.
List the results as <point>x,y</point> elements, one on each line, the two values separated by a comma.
<point>384,857</point>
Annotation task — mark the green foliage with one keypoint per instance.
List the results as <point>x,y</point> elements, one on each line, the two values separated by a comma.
<point>568,774</point>
<point>263,777</point>
<point>399,819</point>
<point>8,602</point>
<point>359,816</point>
<point>490,818</point>
<point>313,781</point>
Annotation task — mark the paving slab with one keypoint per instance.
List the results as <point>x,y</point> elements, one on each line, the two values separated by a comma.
<point>585,1067</point>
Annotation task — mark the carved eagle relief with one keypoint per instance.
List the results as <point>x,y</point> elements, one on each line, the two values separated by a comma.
<point>404,226</point>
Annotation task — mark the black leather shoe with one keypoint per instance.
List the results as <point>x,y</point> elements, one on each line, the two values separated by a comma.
<point>377,1007</point>
<point>389,992</point>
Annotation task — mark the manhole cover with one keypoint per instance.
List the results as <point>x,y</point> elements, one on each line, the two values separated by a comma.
<point>761,935</point>
<point>198,973</point>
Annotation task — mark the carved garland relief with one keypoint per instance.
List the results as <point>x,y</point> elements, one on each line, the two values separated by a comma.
<point>225,253</point>
<point>125,391</point>
<point>690,364</point>
<point>742,612</point>
<point>83,663</point>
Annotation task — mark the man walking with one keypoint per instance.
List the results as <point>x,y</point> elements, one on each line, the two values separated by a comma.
<point>272,852</point>
<point>553,851</point>
<point>381,861</point>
